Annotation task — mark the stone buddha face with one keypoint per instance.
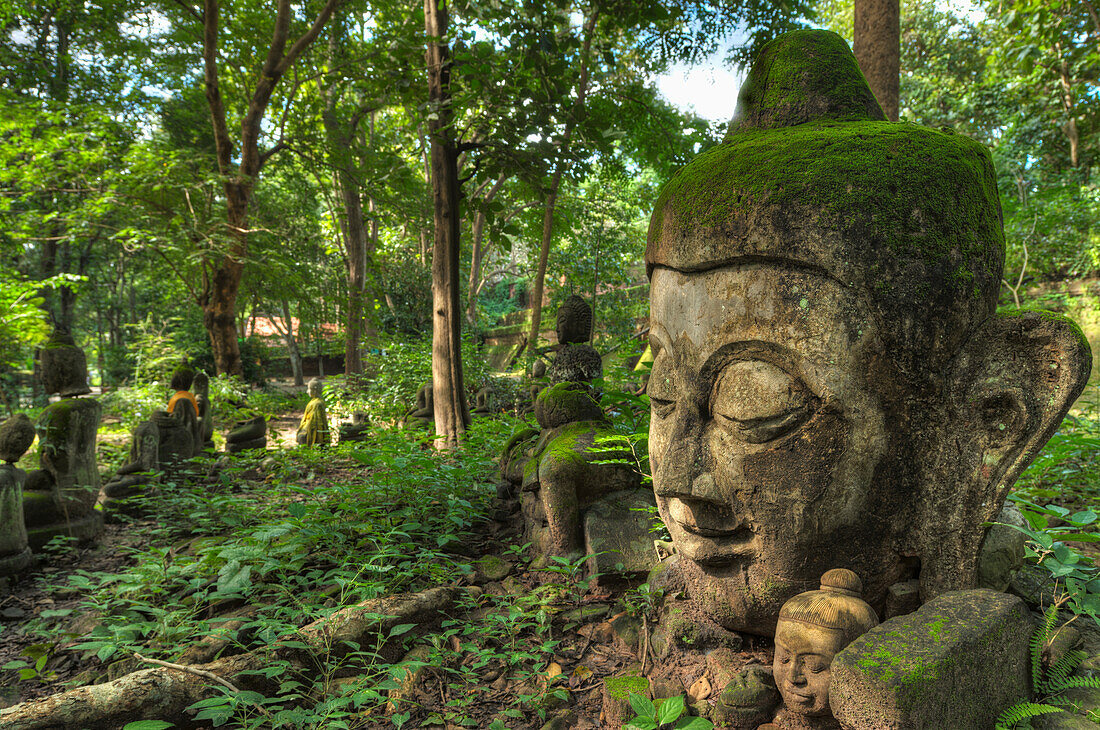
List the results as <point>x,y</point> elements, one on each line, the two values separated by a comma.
<point>803,655</point>
<point>765,431</point>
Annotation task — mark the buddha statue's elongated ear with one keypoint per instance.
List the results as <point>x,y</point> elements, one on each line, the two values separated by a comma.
<point>1010,387</point>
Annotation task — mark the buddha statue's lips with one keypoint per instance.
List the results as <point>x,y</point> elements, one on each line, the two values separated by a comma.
<point>708,533</point>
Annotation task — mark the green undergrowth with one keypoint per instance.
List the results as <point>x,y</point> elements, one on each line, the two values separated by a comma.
<point>279,546</point>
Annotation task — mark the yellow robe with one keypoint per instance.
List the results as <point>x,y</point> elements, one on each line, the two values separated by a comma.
<point>314,424</point>
<point>181,395</point>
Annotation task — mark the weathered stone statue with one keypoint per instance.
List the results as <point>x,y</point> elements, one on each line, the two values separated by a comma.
<point>201,388</point>
<point>16,436</point>
<point>483,402</point>
<point>185,407</point>
<point>144,466</point>
<point>424,410</point>
<point>355,431</point>
<point>831,384</point>
<point>569,502</point>
<point>313,429</point>
<point>59,498</point>
<point>576,360</point>
<point>248,433</point>
<point>812,628</point>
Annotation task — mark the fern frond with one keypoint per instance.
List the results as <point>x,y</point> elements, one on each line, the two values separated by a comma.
<point>1054,678</point>
<point>1075,682</point>
<point>1038,643</point>
<point>1023,711</point>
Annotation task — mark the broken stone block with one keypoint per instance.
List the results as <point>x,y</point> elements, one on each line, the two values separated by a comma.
<point>963,656</point>
<point>616,532</point>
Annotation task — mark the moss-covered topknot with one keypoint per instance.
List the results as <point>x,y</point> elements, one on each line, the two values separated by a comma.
<point>803,76</point>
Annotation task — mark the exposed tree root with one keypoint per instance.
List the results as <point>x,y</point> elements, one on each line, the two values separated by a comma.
<point>164,693</point>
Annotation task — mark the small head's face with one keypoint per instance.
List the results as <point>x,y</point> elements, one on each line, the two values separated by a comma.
<point>766,432</point>
<point>803,654</point>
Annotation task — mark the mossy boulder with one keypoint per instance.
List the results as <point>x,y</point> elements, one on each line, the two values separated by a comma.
<point>747,701</point>
<point>616,696</point>
<point>963,656</point>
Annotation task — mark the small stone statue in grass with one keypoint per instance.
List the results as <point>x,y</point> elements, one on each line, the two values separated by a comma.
<point>201,389</point>
<point>16,436</point>
<point>184,406</point>
<point>424,410</point>
<point>60,497</point>
<point>813,627</point>
<point>313,429</point>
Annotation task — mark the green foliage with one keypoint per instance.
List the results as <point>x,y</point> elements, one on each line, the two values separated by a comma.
<point>1076,572</point>
<point>664,713</point>
<point>1048,682</point>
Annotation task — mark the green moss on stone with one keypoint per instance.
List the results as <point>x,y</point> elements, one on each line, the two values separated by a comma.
<point>620,688</point>
<point>803,75</point>
<point>919,191</point>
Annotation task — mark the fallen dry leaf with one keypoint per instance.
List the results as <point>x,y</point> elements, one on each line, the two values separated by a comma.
<point>699,690</point>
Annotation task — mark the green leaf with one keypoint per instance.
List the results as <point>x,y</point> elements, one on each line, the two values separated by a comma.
<point>642,705</point>
<point>147,725</point>
<point>693,723</point>
<point>670,709</point>
<point>401,629</point>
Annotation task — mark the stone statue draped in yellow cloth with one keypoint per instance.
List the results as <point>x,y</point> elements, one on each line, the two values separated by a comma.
<point>313,430</point>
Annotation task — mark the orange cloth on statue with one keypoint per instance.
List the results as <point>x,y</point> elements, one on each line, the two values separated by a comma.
<point>180,395</point>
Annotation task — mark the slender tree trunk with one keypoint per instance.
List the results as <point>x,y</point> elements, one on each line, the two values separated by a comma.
<point>451,412</point>
<point>1066,96</point>
<point>477,252</point>
<point>220,307</point>
<point>555,185</point>
<point>877,44</point>
<point>292,345</point>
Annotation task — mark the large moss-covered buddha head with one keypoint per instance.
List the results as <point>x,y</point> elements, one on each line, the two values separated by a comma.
<point>831,383</point>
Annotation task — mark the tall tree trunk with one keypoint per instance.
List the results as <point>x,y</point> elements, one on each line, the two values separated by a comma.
<point>340,134</point>
<point>451,412</point>
<point>292,345</point>
<point>477,252</point>
<point>876,41</point>
<point>1066,96</point>
<point>220,306</point>
<point>555,185</point>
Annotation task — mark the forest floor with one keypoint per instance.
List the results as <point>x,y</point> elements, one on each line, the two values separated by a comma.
<point>520,647</point>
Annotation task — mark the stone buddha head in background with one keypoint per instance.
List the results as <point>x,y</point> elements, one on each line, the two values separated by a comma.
<point>813,627</point>
<point>831,383</point>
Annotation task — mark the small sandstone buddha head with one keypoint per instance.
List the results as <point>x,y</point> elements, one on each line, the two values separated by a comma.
<point>812,628</point>
<point>831,383</point>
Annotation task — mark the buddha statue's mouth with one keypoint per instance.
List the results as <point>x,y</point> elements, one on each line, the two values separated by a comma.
<point>709,533</point>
